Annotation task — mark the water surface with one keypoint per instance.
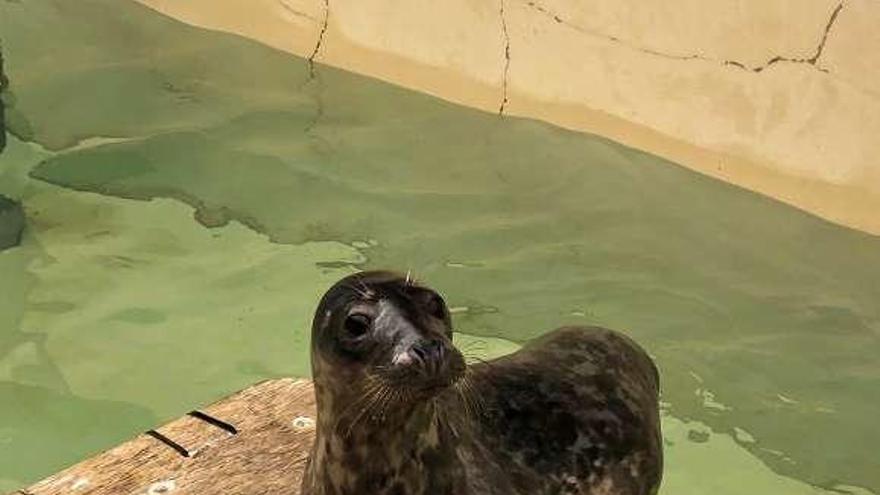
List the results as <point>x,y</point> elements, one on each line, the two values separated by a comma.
<point>191,194</point>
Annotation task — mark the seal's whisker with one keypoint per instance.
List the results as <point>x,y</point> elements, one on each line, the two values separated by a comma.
<point>476,402</point>
<point>481,402</point>
<point>368,407</point>
<point>382,406</point>
<point>387,397</point>
<point>468,353</point>
<point>392,400</point>
<point>365,288</point>
<point>360,291</point>
<point>379,408</point>
<point>366,394</point>
<point>477,359</point>
<point>464,396</point>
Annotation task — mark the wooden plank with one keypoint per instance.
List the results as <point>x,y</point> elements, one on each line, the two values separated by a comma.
<point>253,442</point>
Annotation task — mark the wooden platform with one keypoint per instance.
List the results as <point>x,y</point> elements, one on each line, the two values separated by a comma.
<point>253,442</point>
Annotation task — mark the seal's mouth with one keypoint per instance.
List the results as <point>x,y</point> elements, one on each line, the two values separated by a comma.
<point>426,375</point>
<point>421,392</point>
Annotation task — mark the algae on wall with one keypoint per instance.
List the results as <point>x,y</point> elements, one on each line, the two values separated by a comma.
<point>11,213</point>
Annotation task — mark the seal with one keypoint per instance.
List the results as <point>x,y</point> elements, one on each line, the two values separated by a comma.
<point>401,413</point>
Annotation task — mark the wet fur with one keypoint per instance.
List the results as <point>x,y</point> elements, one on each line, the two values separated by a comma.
<point>573,412</point>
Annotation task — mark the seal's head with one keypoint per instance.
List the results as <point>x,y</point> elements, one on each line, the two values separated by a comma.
<point>381,329</point>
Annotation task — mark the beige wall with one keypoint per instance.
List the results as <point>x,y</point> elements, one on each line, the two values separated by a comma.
<point>779,96</point>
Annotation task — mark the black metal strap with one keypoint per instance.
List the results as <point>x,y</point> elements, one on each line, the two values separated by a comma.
<point>180,449</point>
<point>219,423</point>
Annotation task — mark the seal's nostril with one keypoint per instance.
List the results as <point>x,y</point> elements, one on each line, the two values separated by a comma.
<point>441,352</point>
<point>420,354</point>
<point>429,354</point>
<point>437,353</point>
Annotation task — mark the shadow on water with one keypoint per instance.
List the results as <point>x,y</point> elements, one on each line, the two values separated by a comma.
<point>67,426</point>
<point>44,426</point>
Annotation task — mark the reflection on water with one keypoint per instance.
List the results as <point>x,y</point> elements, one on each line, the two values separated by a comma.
<point>764,320</point>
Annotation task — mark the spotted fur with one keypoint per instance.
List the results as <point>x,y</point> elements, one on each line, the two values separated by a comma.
<point>574,412</point>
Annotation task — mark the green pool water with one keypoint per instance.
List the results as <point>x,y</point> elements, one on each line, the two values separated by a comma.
<point>191,194</point>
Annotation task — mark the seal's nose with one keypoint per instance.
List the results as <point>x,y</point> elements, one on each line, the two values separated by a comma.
<point>429,355</point>
<point>427,363</point>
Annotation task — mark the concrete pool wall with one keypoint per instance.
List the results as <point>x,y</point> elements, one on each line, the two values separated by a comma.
<point>780,97</point>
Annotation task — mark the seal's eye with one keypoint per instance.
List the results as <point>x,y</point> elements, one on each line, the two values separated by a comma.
<point>436,307</point>
<point>357,325</point>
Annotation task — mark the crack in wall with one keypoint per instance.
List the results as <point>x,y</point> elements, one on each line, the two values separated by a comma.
<point>504,32</point>
<point>828,27</point>
<point>315,79</point>
<point>319,109</point>
<point>320,41</point>
<point>813,60</point>
<point>313,83</point>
